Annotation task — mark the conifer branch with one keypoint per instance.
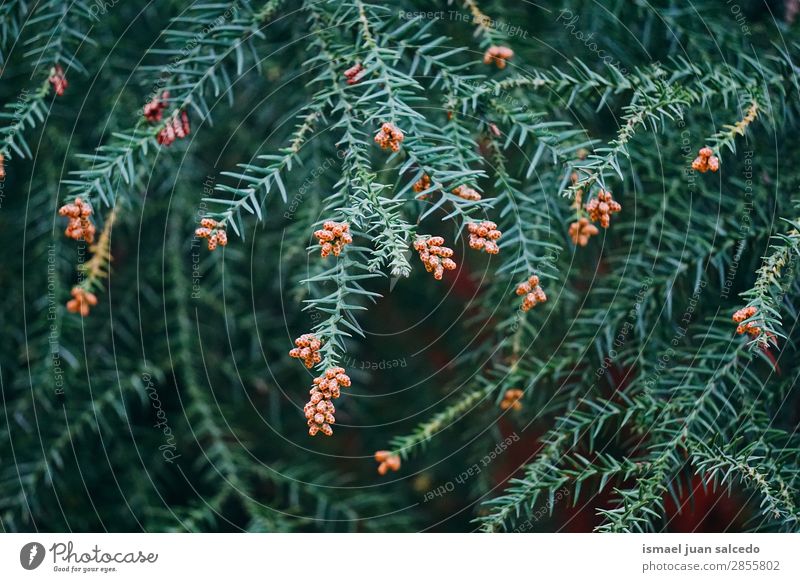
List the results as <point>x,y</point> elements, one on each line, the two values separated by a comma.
<point>483,24</point>
<point>442,420</point>
<point>25,113</point>
<point>262,176</point>
<point>726,137</point>
<point>774,278</point>
<point>667,102</point>
<point>12,15</point>
<point>97,268</point>
<point>750,468</point>
<point>215,35</point>
<point>630,367</point>
<point>58,35</point>
<point>551,468</point>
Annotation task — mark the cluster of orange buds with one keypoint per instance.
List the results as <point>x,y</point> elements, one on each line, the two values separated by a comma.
<point>80,226</point>
<point>354,74</point>
<point>213,231</point>
<point>435,256</point>
<point>602,207</point>
<point>58,80</point>
<point>81,301</point>
<point>177,127</point>
<point>387,461</point>
<point>389,137</point>
<point>705,161</point>
<point>750,328</point>
<point>422,184</point>
<point>497,55</point>
<point>307,349</point>
<point>154,110</point>
<point>319,410</point>
<point>511,399</point>
<point>484,235</point>
<point>467,193</point>
<point>532,291</point>
<point>320,415</point>
<point>2,167</point>
<point>333,237</point>
<point>581,231</point>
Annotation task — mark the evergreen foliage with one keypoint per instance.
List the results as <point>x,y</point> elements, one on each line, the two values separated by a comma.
<point>174,404</point>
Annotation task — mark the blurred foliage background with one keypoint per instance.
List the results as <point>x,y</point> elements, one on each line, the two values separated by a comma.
<point>174,404</point>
